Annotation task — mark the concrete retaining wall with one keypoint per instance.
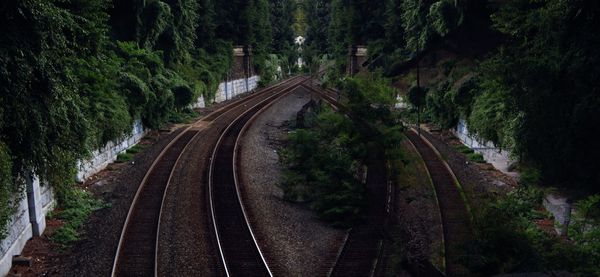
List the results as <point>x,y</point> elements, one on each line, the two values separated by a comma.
<point>561,209</point>
<point>38,199</point>
<point>29,220</point>
<point>228,90</point>
<point>499,158</point>
<point>101,158</point>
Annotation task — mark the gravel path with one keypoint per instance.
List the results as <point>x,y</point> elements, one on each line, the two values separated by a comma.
<point>294,240</point>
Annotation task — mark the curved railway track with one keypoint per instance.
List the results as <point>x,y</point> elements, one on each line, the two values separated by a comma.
<point>240,252</point>
<point>361,252</point>
<point>137,249</point>
<point>456,222</point>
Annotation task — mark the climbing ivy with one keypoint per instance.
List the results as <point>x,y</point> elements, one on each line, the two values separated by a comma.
<point>75,74</point>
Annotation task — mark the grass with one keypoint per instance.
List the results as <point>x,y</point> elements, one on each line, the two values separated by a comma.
<point>476,157</point>
<point>463,149</point>
<point>77,207</point>
<point>186,116</point>
<point>136,149</point>
<point>124,157</point>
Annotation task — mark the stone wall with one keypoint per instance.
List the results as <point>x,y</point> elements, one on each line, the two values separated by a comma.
<point>228,90</point>
<point>101,158</point>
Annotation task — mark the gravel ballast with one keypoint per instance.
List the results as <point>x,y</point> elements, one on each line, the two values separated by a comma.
<point>93,255</point>
<point>294,241</point>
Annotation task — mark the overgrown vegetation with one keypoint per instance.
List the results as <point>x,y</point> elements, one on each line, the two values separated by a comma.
<point>76,207</point>
<point>476,157</point>
<point>76,74</point>
<point>508,238</point>
<point>124,157</point>
<point>9,189</point>
<point>528,85</point>
<point>327,161</point>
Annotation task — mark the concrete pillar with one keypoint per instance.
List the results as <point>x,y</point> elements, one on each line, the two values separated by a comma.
<point>247,64</point>
<point>357,55</point>
<point>37,218</point>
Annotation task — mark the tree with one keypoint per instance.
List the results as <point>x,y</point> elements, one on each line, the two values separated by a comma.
<point>281,21</point>
<point>548,68</point>
<point>318,15</point>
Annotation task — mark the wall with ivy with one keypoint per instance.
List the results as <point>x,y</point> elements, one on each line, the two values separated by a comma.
<point>103,156</point>
<point>28,219</point>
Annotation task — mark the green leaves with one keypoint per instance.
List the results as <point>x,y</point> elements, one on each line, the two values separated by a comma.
<point>444,17</point>
<point>326,163</point>
<point>8,188</point>
<point>321,165</point>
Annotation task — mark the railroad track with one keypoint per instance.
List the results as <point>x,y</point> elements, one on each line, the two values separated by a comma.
<point>137,249</point>
<point>361,252</point>
<point>240,252</point>
<point>454,214</point>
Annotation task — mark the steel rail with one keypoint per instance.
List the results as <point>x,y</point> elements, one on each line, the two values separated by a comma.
<point>211,186</point>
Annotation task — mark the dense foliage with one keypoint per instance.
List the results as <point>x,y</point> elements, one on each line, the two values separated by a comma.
<point>75,74</point>
<point>534,90</point>
<point>523,74</point>
<point>508,238</point>
<point>326,161</point>
<point>537,93</point>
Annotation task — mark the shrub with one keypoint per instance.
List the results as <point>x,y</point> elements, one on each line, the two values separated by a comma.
<point>463,149</point>
<point>76,208</point>
<point>136,149</point>
<point>507,239</point>
<point>476,157</point>
<point>124,157</point>
<point>530,176</point>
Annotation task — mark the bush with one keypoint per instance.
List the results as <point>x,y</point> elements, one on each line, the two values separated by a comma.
<point>136,149</point>
<point>530,176</point>
<point>325,163</point>
<point>77,206</point>
<point>183,95</point>
<point>476,157</point>
<point>507,240</point>
<point>463,149</point>
<point>124,157</point>
<point>186,116</point>
<point>321,169</point>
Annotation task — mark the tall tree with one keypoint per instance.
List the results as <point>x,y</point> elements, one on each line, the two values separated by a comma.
<point>318,23</point>
<point>282,12</point>
<point>205,31</point>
